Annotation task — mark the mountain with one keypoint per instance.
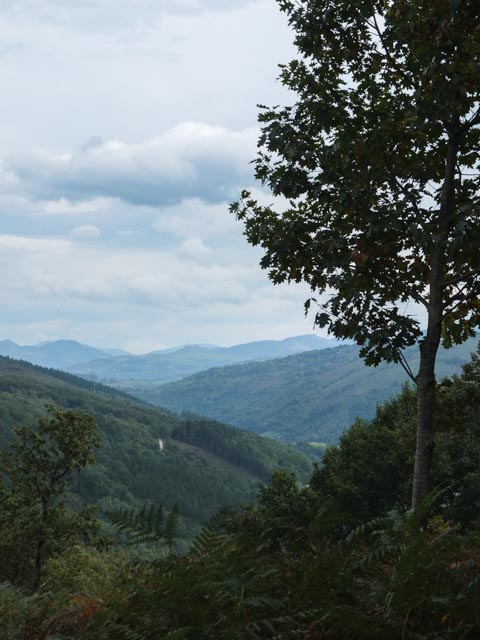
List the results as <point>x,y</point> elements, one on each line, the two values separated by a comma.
<point>311,396</point>
<point>174,364</point>
<point>116,352</point>
<point>147,454</point>
<point>58,354</point>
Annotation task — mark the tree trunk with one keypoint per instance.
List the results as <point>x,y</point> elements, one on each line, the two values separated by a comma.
<point>428,349</point>
<point>39,550</point>
<point>425,418</point>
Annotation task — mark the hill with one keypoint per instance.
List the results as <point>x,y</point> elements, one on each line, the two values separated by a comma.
<point>311,396</point>
<point>147,454</point>
<point>59,354</point>
<point>130,372</point>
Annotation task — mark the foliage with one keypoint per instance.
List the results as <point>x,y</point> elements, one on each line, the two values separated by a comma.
<point>77,582</point>
<point>131,469</point>
<point>384,448</point>
<point>331,559</point>
<point>35,522</point>
<point>240,448</point>
<point>147,525</point>
<point>378,161</point>
<point>274,572</point>
<point>384,90</point>
<point>312,396</point>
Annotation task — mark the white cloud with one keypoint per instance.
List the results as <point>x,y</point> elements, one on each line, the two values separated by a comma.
<point>132,276</point>
<point>20,244</point>
<point>94,78</point>
<point>64,207</point>
<point>129,233</point>
<point>172,265</point>
<point>195,248</point>
<point>195,217</point>
<point>190,160</point>
<point>86,232</point>
<point>108,15</point>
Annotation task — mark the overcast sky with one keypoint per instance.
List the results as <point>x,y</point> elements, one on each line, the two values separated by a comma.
<point>126,128</point>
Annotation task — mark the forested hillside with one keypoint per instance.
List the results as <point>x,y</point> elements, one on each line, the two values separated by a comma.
<point>311,396</point>
<point>202,465</point>
<point>336,558</point>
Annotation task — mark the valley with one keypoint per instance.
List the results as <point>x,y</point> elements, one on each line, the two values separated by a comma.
<point>308,397</point>
<point>202,465</point>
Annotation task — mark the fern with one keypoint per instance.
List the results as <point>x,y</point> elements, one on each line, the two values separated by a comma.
<point>122,632</point>
<point>171,527</point>
<point>148,525</point>
<point>210,534</point>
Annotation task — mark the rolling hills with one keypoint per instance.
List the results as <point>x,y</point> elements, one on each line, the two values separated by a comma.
<point>59,354</point>
<point>130,372</point>
<point>311,396</point>
<point>200,464</point>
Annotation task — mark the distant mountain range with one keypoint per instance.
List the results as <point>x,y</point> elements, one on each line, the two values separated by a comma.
<point>124,370</point>
<point>311,396</point>
<point>130,372</point>
<point>58,354</point>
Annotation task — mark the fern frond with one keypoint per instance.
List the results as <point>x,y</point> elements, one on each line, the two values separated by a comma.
<point>345,622</point>
<point>210,534</point>
<point>418,517</point>
<point>140,527</point>
<point>171,527</point>
<point>122,632</point>
<point>376,524</point>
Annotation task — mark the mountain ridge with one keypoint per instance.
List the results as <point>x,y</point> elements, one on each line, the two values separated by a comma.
<point>54,354</point>
<point>310,396</point>
<point>167,365</point>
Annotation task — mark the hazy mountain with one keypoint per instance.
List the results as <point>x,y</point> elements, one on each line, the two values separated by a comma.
<point>58,354</point>
<point>310,396</point>
<point>174,364</point>
<point>200,464</point>
<point>116,352</point>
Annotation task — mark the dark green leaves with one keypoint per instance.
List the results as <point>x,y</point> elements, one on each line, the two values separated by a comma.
<point>361,158</point>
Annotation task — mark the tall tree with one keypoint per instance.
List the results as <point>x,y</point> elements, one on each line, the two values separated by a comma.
<point>379,162</point>
<point>35,522</point>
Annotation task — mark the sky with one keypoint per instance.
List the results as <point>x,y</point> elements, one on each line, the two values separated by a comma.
<point>126,129</point>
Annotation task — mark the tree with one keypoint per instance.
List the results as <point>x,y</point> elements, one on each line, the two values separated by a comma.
<point>383,448</point>
<point>378,160</point>
<point>35,521</point>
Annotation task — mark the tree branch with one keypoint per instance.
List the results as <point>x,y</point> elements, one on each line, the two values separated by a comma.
<point>462,278</point>
<point>386,51</point>
<point>406,367</point>
<point>474,120</point>
<point>461,297</point>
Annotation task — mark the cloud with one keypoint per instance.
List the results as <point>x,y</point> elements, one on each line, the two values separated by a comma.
<point>49,269</point>
<point>195,248</point>
<point>129,233</point>
<point>64,207</point>
<point>190,160</point>
<point>86,232</point>
<point>15,243</point>
<point>107,77</point>
<point>108,15</point>
<point>196,217</point>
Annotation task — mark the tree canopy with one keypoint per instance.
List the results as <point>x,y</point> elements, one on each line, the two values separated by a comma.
<point>378,162</point>
<point>35,521</point>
